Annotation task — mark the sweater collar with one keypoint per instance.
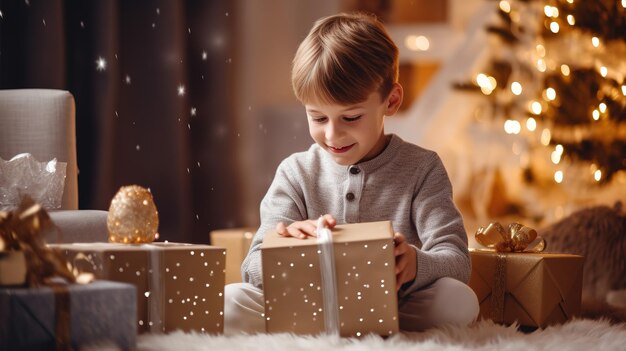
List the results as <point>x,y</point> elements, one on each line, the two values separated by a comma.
<point>370,165</point>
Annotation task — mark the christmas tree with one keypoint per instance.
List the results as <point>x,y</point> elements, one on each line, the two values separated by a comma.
<point>556,84</point>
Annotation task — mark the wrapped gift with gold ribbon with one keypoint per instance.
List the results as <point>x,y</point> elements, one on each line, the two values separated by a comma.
<point>516,281</point>
<point>45,304</point>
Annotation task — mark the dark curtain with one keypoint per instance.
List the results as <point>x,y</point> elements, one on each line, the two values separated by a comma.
<point>153,84</point>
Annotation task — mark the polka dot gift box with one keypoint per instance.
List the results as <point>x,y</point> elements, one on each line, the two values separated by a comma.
<point>179,286</point>
<point>304,294</point>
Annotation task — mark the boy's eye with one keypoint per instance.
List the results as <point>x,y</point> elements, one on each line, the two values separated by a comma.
<point>352,119</point>
<point>319,119</point>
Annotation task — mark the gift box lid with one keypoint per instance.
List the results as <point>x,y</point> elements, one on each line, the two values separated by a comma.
<point>342,233</point>
<point>133,247</point>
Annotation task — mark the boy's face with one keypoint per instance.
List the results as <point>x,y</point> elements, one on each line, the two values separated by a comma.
<point>351,133</point>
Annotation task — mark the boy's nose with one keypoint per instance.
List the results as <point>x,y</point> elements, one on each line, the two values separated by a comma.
<point>332,131</point>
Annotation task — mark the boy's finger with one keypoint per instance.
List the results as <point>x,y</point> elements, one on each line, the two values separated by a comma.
<point>281,229</point>
<point>304,227</point>
<point>296,233</point>
<point>400,249</point>
<point>308,228</point>
<point>398,239</point>
<point>330,220</point>
<point>400,264</point>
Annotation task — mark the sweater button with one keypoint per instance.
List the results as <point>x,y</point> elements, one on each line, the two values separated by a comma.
<point>354,170</point>
<point>350,196</point>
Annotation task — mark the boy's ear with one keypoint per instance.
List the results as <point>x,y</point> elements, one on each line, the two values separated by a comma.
<point>394,99</point>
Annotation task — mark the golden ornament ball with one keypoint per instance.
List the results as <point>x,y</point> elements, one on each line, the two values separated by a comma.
<point>133,217</point>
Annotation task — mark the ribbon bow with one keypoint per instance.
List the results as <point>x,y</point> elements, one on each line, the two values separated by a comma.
<point>24,230</point>
<point>518,238</point>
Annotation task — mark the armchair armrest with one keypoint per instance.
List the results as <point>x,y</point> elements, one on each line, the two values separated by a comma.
<point>80,226</point>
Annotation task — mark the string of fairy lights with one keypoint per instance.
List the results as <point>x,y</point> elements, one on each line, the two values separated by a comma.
<point>558,80</point>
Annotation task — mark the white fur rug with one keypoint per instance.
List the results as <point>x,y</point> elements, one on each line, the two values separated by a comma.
<point>583,334</point>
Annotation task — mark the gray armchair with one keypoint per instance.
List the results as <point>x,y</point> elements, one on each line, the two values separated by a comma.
<point>42,122</point>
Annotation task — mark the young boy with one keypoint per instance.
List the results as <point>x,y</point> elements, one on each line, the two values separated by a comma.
<point>345,73</point>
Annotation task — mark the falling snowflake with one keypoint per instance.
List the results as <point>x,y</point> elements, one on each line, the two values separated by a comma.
<point>127,79</point>
<point>193,111</point>
<point>101,64</point>
<point>1,15</point>
<point>204,55</point>
<point>181,90</point>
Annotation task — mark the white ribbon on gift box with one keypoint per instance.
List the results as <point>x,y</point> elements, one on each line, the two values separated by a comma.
<point>156,300</point>
<point>329,279</point>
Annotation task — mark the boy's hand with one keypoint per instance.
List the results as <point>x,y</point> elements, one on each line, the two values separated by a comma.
<point>304,229</point>
<point>406,260</point>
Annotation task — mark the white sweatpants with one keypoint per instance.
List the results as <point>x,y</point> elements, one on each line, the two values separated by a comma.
<point>446,301</point>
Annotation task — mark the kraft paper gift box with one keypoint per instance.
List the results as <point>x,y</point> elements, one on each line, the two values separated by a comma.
<point>237,243</point>
<point>12,268</point>
<point>179,286</point>
<point>365,281</point>
<point>100,314</point>
<point>533,289</point>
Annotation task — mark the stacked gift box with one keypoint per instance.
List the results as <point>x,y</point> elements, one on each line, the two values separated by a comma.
<point>179,286</point>
<point>365,281</point>
<point>45,305</point>
<point>68,316</point>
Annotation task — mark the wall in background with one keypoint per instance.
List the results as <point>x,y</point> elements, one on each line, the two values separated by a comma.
<point>272,123</point>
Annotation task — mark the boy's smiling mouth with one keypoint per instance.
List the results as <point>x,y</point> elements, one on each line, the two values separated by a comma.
<point>340,149</point>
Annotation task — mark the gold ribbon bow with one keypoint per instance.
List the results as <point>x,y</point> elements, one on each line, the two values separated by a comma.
<point>24,230</point>
<point>518,238</point>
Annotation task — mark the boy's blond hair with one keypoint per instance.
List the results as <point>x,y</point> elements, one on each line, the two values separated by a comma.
<point>343,59</point>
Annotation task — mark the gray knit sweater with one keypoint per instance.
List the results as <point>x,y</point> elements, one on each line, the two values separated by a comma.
<point>405,184</point>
